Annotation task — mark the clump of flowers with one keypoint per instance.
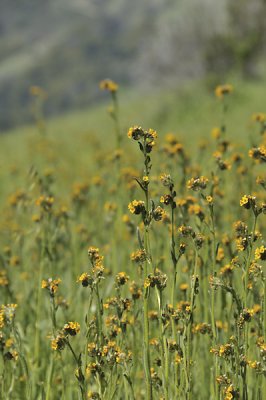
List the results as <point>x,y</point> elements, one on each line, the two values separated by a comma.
<point>121,278</point>
<point>139,256</point>
<point>59,341</point>
<point>97,269</point>
<point>71,328</point>
<point>199,183</point>
<point>258,153</point>
<point>7,314</point>
<point>223,90</point>
<point>85,279</point>
<point>157,279</point>
<point>146,139</point>
<point>108,84</point>
<point>45,202</point>
<point>136,207</point>
<point>248,201</point>
<point>51,285</point>
<point>260,253</point>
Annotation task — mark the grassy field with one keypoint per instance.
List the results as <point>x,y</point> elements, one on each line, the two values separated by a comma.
<point>132,263</point>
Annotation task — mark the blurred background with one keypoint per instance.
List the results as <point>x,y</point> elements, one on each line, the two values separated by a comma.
<point>68,46</point>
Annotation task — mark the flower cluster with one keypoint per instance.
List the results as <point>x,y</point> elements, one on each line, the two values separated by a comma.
<point>223,90</point>
<point>258,153</point>
<point>61,339</point>
<point>51,285</point>
<point>157,279</point>
<point>97,269</point>
<point>199,183</point>
<point>108,84</point>
<point>136,207</point>
<point>45,202</point>
<point>260,253</point>
<point>146,139</point>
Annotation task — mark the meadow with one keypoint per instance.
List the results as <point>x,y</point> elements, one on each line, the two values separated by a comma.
<point>132,248</point>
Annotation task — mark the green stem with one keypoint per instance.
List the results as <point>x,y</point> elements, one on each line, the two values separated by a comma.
<point>87,337</point>
<point>116,120</point>
<point>146,298</point>
<point>38,307</point>
<point>130,386</point>
<point>146,346</point>
<point>189,335</point>
<point>164,349</point>
<point>249,260</point>
<point>244,376</point>
<point>99,315</point>
<point>82,378</point>
<point>49,379</point>
<point>173,255</point>
<point>214,333</point>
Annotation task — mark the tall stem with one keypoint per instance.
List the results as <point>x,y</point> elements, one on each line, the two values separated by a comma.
<point>214,334</point>
<point>99,315</point>
<point>244,375</point>
<point>146,298</point>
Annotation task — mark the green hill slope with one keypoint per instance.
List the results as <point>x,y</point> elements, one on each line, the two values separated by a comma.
<point>190,112</point>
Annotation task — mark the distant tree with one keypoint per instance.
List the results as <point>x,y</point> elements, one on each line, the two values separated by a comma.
<point>244,41</point>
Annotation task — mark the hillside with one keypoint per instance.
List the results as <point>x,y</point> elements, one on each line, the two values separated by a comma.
<point>191,113</point>
<point>65,47</point>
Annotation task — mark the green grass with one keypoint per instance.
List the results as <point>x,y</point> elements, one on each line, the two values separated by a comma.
<point>190,112</point>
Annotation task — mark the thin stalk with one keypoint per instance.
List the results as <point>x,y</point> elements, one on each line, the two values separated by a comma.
<point>173,254</point>
<point>146,348</point>
<point>127,378</point>
<point>244,375</point>
<point>53,313</point>
<point>38,307</point>
<point>11,386</point>
<point>214,333</point>
<point>189,328</point>
<point>87,338</point>
<point>82,380</point>
<point>49,379</point>
<point>116,121</point>
<point>164,349</point>
<point>146,297</point>
<point>249,260</point>
<point>174,262</point>
<point>99,315</point>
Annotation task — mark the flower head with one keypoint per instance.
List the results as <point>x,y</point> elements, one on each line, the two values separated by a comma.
<point>51,284</point>
<point>108,84</point>
<point>121,278</point>
<point>223,90</point>
<point>85,279</point>
<point>247,201</point>
<point>197,183</point>
<point>136,207</point>
<point>260,253</point>
<point>71,328</point>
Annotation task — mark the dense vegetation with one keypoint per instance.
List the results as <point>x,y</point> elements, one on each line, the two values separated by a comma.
<point>132,262</point>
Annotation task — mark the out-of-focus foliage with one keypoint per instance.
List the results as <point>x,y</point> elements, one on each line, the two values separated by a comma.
<point>243,44</point>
